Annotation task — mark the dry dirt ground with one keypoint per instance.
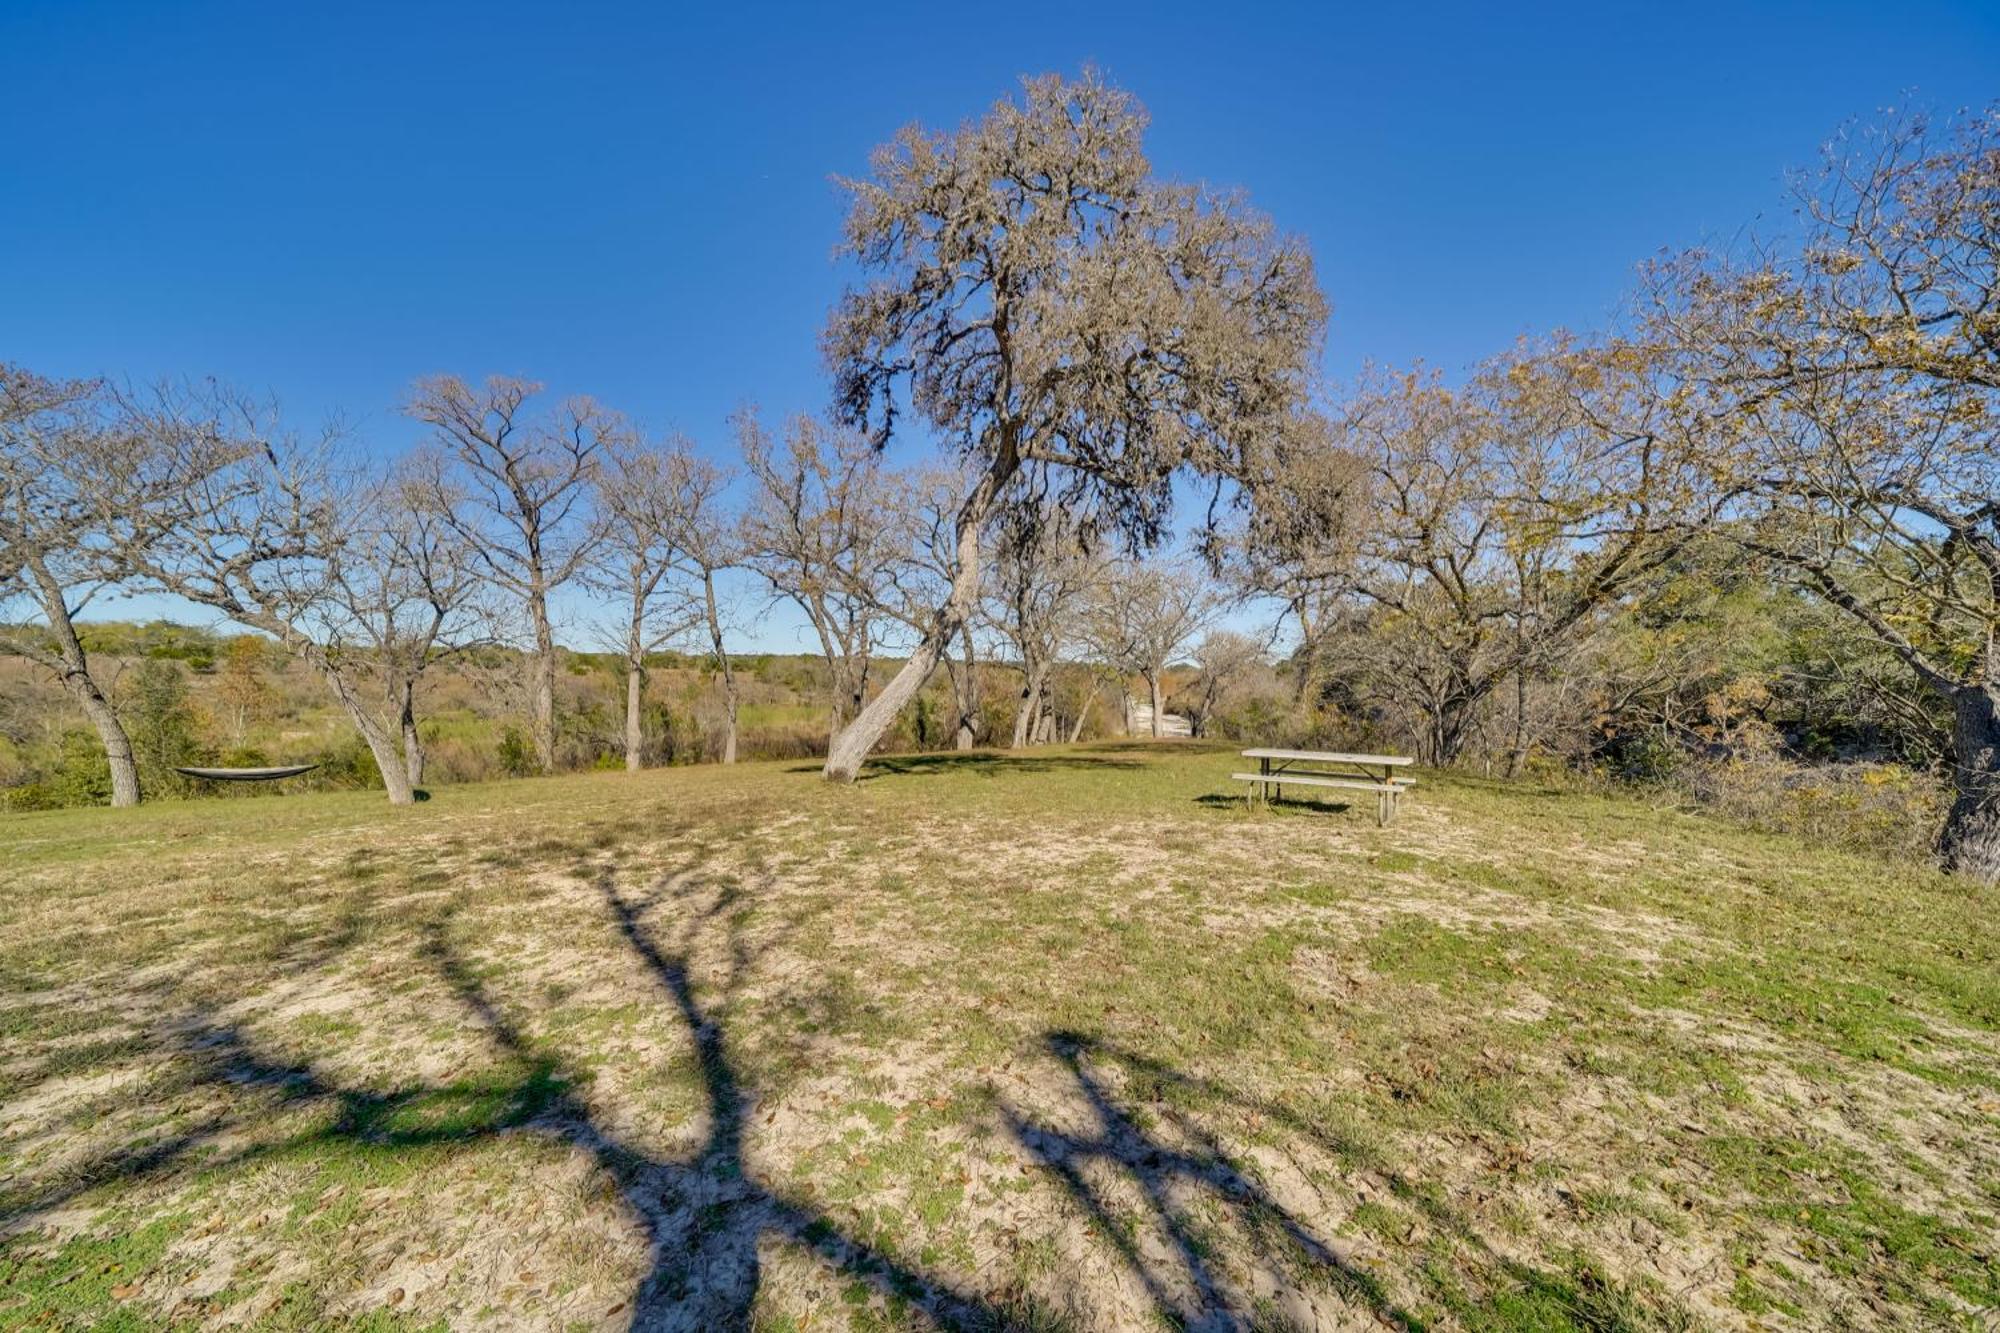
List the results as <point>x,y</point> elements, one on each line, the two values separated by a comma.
<point>1069,1040</point>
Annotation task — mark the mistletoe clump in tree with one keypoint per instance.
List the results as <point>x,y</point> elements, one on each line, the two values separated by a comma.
<point>1047,306</point>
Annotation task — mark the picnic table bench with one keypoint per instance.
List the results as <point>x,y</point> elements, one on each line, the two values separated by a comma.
<point>1324,768</point>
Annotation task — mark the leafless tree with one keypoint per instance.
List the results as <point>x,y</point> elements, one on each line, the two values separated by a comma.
<point>1223,660</point>
<point>1050,306</point>
<point>1854,382</point>
<point>74,473</point>
<point>641,501</point>
<point>822,531</point>
<point>1142,616</point>
<point>706,541</point>
<point>404,590</point>
<point>1045,572</point>
<point>1506,521</point>
<point>517,488</point>
<point>282,541</point>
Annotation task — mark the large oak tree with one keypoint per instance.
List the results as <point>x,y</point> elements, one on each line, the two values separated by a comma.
<point>1044,302</point>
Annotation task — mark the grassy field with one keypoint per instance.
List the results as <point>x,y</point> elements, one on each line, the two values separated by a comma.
<point>1064,1041</point>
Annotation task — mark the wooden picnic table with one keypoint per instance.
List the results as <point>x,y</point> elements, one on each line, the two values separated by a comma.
<point>1328,768</point>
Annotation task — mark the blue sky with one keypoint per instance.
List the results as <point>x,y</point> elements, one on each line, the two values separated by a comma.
<point>635,201</point>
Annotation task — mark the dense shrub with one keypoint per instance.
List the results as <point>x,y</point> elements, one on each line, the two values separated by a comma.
<point>1884,808</point>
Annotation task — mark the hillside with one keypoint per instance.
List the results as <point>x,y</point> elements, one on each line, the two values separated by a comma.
<point>1050,1040</point>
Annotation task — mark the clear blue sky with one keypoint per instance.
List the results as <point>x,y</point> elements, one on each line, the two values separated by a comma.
<point>634,201</point>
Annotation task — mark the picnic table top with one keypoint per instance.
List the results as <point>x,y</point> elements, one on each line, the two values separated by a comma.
<point>1328,757</point>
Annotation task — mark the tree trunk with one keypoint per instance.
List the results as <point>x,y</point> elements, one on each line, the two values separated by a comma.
<point>413,744</point>
<point>1517,756</point>
<point>1969,844</point>
<point>544,685</point>
<point>850,748</point>
<point>722,664</point>
<point>1153,687</point>
<point>1076,729</point>
<point>1306,660</point>
<point>73,667</point>
<point>635,740</point>
<point>111,732</point>
<point>395,775</point>
<point>967,694</point>
<point>844,756</point>
<point>381,745</point>
<point>1030,710</point>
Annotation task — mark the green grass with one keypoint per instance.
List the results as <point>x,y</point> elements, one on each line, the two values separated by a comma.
<point>1069,1039</point>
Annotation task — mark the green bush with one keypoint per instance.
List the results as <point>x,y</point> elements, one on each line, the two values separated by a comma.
<point>77,774</point>
<point>517,757</point>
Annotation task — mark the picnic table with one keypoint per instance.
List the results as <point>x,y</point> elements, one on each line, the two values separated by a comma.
<point>1326,768</point>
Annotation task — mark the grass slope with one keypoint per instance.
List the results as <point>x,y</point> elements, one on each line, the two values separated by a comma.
<point>1065,1040</point>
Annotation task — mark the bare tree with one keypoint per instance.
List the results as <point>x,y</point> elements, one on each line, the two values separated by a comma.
<point>71,471</point>
<point>642,503</point>
<point>1507,521</point>
<point>705,543</point>
<point>821,530</point>
<point>1045,574</point>
<point>1223,660</point>
<point>517,489</point>
<point>403,592</point>
<point>1143,616</point>
<point>1049,305</point>
<point>275,542</point>
<point>1854,379</point>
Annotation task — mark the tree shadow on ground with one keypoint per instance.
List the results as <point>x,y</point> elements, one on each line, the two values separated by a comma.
<point>1142,1130</point>
<point>1166,1250</point>
<point>986,763</point>
<point>706,1215</point>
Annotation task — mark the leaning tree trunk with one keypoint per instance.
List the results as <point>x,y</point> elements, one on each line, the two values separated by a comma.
<point>1969,844</point>
<point>73,666</point>
<point>851,747</point>
<point>635,740</point>
<point>381,744</point>
<point>111,733</point>
<point>395,776</point>
<point>1076,728</point>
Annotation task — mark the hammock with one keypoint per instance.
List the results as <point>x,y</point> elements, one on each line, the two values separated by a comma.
<point>248,774</point>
